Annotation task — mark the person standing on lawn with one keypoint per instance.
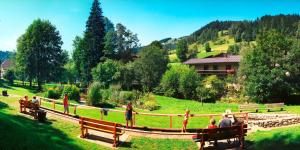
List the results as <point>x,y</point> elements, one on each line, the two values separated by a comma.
<point>128,114</point>
<point>66,104</point>
<point>185,120</point>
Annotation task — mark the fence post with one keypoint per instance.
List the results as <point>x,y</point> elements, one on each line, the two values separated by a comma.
<point>134,119</point>
<point>246,117</point>
<point>40,101</point>
<point>171,124</point>
<point>101,114</point>
<point>54,105</point>
<point>75,109</point>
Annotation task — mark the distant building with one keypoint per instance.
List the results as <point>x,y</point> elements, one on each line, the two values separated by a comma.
<point>220,65</point>
<point>5,66</point>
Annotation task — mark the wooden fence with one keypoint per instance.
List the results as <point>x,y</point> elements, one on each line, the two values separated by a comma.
<point>170,116</point>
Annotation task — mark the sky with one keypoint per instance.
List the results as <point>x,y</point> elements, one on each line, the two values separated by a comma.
<point>150,19</point>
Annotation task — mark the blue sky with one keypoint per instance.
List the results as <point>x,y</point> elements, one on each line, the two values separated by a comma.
<point>150,19</point>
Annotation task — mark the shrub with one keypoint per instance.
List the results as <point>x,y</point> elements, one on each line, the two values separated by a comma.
<point>94,94</point>
<point>149,102</point>
<point>127,96</point>
<point>180,81</point>
<point>211,89</point>
<point>10,76</point>
<point>52,93</point>
<point>72,91</point>
<point>105,94</point>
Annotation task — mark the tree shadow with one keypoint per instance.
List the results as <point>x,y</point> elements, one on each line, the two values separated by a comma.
<point>18,132</point>
<point>280,141</point>
<point>3,105</point>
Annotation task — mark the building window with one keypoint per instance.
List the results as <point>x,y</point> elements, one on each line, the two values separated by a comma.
<point>215,67</point>
<point>228,67</point>
<point>206,67</point>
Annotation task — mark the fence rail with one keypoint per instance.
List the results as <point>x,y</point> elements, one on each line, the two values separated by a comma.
<point>105,110</point>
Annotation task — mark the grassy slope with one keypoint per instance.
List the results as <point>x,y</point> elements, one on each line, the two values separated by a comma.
<point>216,48</point>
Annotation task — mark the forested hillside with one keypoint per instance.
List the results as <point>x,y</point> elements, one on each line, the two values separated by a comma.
<point>5,55</point>
<point>222,36</point>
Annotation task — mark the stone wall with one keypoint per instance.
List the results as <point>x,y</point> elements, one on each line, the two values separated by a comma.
<point>273,120</point>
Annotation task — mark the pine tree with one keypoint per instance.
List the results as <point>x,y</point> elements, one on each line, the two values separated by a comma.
<point>93,42</point>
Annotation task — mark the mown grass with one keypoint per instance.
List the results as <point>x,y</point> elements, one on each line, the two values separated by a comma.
<point>60,134</point>
<point>287,138</point>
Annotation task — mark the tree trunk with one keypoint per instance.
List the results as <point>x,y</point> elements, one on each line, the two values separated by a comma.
<point>39,85</point>
<point>30,83</point>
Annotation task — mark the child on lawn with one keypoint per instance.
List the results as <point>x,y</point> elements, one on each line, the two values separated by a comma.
<point>185,120</point>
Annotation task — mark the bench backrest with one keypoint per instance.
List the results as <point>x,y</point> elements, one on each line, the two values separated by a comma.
<point>249,106</point>
<point>275,105</point>
<point>99,124</point>
<point>28,104</point>
<point>223,133</point>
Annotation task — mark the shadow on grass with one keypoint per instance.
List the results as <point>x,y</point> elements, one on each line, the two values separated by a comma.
<point>3,105</point>
<point>18,132</point>
<point>280,141</point>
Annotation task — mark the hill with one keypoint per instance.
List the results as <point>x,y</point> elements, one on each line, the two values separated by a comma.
<point>5,55</point>
<point>222,34</point>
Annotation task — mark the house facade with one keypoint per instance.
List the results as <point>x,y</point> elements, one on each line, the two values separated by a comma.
<point>5,66</point>
<point>220,65</point>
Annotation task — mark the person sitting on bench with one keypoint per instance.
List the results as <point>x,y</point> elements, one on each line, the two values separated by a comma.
<point>34,100</point>
<point>212,124</point>
<point>226,121</point>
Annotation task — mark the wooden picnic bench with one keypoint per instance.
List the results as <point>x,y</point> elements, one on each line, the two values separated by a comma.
<point>273,106</point>
<point>103,126</point>
<point>248,107</point>
<point>224,133</point>
<point>33,107</point>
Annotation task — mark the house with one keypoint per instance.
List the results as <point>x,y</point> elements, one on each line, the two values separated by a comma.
<point>220,65</point>
<point>5,66</point>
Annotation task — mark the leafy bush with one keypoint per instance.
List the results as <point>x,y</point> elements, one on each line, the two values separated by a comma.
<point>10,76</point>
<point>149,102</point>
<point>52,93</point>
<point>127,95</point>
<point>94,94</point>
<point>105,94</point>
<point>107,73</point>
<point>180,81</point>
<point>211,89</point>
<point>72,91</point>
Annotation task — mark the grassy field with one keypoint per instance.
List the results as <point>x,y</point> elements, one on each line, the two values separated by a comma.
<point>60,134</point>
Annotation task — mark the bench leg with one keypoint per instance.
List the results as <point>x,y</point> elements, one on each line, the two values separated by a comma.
<point>202,145</point>
<point>115,141</point>
<point>82,133</point>
<point>86,132</point>
<point>242,143</point>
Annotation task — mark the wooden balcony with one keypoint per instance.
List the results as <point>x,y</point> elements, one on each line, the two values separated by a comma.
<point>217,72</point>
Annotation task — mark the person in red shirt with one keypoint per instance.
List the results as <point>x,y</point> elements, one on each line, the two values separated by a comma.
<point>128,114</point>
<point>66,104</point>
<point>212,124</point>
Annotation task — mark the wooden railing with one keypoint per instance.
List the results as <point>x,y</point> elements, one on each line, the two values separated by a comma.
<point>54,102</point>
<point>170,116</point>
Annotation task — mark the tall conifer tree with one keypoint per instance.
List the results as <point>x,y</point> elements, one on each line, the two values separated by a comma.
<point>93,41</point>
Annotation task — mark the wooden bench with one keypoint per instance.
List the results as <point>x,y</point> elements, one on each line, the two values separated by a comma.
<point>33,108</point>
<point>273,106</point>
<point>216,134</point>
<point>103,126</point>
<point>248,107</point>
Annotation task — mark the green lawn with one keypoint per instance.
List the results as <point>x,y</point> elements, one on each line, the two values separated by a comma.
<point>60,134</point>
<point>278,139</point>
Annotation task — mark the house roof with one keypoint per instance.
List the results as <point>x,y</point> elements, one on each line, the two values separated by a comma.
<point>228,59</point>
<point>6,64</point>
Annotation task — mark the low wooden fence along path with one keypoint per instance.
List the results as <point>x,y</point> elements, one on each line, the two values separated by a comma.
<point>104,111</point>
